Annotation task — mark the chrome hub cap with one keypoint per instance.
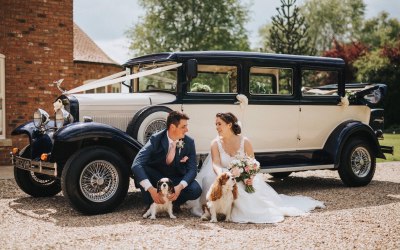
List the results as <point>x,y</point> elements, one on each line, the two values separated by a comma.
<point>99,181</point>
<point>154,127</point>
<point>360,162</point>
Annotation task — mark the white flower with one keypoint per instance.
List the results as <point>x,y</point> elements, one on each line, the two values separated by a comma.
<point>243,101</point>
<point>344,101</point>
<point>179,145</point>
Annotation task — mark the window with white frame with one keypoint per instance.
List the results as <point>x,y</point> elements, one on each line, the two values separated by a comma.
<point>2,98</point>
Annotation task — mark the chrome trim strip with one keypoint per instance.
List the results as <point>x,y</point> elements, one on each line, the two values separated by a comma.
<point>295,169</point>
<point>41,167</point>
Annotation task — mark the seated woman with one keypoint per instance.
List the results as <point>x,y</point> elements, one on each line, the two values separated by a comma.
<point>262,206</point>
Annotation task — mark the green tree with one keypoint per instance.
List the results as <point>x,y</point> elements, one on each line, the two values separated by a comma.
<point>380,30</point>
<point>288,31</point>
<point>383,66</point>
<point>172,25</point>
<point>329,19</point>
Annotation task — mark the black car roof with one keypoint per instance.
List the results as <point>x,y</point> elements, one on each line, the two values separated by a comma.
<point>231,55</point>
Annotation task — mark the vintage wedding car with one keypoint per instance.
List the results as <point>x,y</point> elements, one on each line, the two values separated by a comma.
<point>296,110</point>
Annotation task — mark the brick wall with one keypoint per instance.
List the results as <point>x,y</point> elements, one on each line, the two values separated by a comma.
<point>86,70</point>
<point>36,36</point>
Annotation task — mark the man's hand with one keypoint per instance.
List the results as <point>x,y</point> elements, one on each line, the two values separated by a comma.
<point>178,188</point>
<point>157,198</point>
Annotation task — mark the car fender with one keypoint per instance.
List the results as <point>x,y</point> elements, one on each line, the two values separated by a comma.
<point>77,135</point>
<point>345,131</point>
<point>40,142</point>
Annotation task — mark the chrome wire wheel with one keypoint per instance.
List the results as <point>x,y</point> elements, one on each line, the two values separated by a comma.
<point>99,181</point>
<point>360,162</point>
<point>154,127</point>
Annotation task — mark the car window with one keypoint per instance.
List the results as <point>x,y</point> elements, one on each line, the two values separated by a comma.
<point>164,81</point>
<point>319,82</point>
<point>270,81</point>
<point>215,79</point>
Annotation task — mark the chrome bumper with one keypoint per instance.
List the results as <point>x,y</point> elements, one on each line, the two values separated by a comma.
<point>387,149</point>
<point>42,167</point>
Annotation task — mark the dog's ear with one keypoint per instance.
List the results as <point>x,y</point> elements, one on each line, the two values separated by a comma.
<point>235,191</point>
<point>171,188</point>
<point>158,186</point>
<point>221,179</point>
<point>216,192</point>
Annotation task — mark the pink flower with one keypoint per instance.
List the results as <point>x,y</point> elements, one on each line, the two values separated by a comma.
<point>235,171</point>
<point>247,169</point>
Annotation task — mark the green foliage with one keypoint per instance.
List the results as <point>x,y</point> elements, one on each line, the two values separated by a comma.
<point>391,140</point>
<point>195,25</point>
<point>380,30</point>
<point>329,19</point>
<point>288,33</point>
<point>381,67</point>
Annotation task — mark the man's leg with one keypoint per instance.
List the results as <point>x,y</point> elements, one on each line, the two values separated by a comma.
<point>191,192</point>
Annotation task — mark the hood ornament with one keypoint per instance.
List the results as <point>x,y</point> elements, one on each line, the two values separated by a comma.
<point>58,84</point>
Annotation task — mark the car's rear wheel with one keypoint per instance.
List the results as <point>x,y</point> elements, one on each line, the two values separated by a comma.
<point>357,164</point>
<point>148,121</point>
<point>35,184</point>
<point>95,180</point>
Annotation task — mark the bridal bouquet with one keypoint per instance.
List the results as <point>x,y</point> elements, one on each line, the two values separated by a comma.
<point>244,168</point>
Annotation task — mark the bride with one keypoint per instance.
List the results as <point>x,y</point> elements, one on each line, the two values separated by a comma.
<point>262,206</point>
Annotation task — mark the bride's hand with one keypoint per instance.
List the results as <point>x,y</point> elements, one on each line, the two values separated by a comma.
<point>249,181</point>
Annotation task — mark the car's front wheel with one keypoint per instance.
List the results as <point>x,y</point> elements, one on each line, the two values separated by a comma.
<point>95,180</point>
<point>35,184</point>
<point>357,164</point>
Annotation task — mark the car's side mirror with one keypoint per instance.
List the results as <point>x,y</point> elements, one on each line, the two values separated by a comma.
<point>191,69</point>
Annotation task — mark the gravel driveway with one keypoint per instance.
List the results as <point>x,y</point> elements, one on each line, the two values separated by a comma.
<point>361,218</point>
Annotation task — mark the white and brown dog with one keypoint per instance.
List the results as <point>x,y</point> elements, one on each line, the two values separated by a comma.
<point>220,197</point>
<point>165,187</point>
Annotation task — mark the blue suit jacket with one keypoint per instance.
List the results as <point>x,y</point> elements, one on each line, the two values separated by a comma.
<point>154,153</point>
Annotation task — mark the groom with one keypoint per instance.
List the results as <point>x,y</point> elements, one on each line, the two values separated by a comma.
<point>168,153</point>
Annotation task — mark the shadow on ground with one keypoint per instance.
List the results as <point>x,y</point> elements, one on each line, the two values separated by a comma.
<point>330,190</point>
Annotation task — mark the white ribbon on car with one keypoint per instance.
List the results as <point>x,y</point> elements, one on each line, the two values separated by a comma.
<point>344,101</point>
<point>105,81</point>
<point>242,100</point>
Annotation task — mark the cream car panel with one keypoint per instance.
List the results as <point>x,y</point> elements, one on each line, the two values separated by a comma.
<point>317,122</point>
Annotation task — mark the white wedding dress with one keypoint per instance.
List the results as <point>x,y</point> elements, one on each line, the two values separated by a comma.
<point>265,205</point>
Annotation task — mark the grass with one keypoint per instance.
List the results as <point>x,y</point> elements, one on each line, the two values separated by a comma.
<point>391,140</point>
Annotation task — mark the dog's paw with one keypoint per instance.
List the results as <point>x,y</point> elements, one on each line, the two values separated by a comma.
<point>145,216</point>
<point>204,217</point>
<point>213,220</point>
<point>152,217</point>
<point>228,220</point>
<point>172,216</point>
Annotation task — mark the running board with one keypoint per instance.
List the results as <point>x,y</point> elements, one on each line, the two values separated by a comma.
<point>295,169</point>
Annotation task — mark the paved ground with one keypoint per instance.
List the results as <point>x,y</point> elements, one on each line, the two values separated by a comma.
<point>355,218</point>
<point>6,172</point>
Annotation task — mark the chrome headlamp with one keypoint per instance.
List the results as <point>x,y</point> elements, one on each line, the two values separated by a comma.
<point>40,118</point>
<point>63,117</point>
<point>374,97</point>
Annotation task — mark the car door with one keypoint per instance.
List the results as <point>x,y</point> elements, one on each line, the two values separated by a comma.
<point>321,111</point>
<point>271,118</point>
<point>213,90</point>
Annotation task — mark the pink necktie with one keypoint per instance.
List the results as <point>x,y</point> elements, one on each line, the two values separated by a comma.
<point>171,153</point>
